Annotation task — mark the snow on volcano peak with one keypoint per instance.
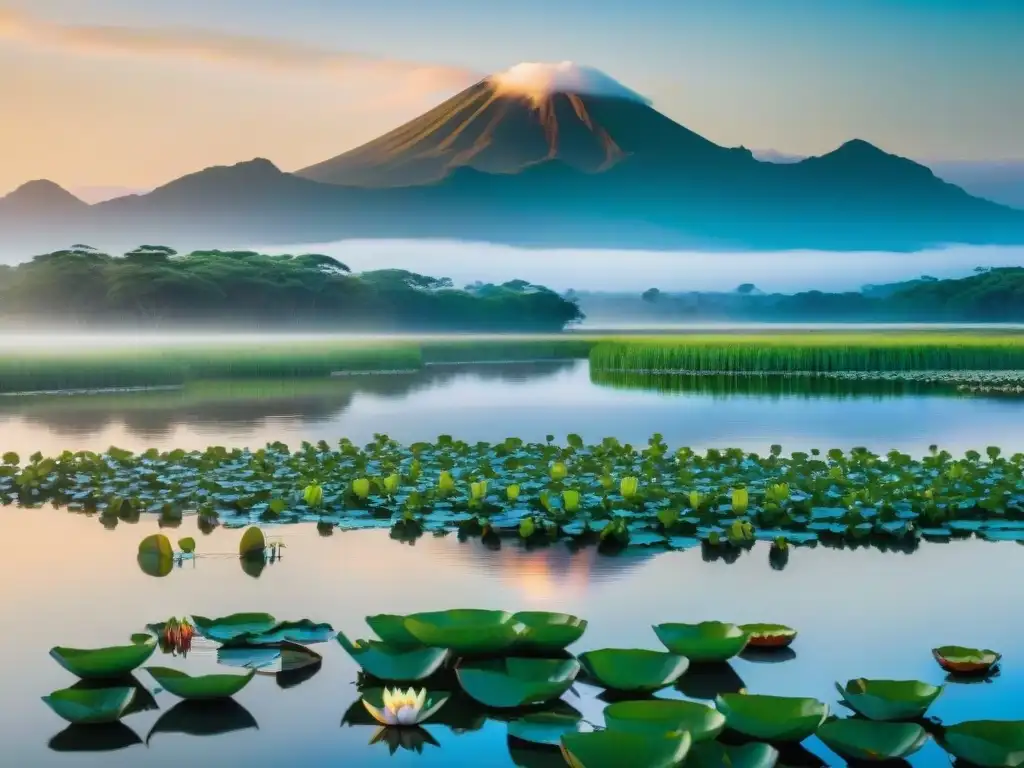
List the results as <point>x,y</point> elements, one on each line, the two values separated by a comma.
<point>539,80</point>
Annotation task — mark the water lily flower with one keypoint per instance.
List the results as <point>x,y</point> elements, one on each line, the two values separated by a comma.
<point>361,487</point>
<point>177,637</point>
<point>571,500</point>
<point>559,471</point>
<point>740,500</point>
<point>445,482</point>
<point>403,707</point>
<point>313,495</point>
<point>478,491</point>
<point>628,486</point>
<point>512,492</point>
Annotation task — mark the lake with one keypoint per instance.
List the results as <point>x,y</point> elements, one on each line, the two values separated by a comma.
<point>70,581</point>
<point>491,402</point>
<point>78,584</point>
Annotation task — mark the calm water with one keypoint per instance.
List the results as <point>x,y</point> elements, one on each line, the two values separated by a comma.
<point>68,581</point>
<point>494,402</point>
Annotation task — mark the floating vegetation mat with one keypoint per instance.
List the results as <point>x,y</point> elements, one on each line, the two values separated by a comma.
<point>608,494</point>
<point>464,667</point>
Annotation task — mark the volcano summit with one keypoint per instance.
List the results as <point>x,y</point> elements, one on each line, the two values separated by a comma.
<point>530,114</point>
<point>544,155</point>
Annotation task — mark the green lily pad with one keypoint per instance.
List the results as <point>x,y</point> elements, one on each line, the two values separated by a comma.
<point>986,743</point>
<point>771,718</point>
<point>855,739</point>
<point>769,635</point>
<point>712,754</point>
<point>100,663</point>
<point>253,543</point>
<point>547,632</point>
<point>966,661</point>
<point>391,663</point>
<point>614,749</point>
<point>199,687</point>
<point>889,699</point>
<point>466,632</point>
<point>390,627</point>
<point>81,706</point>
<point>155,565</point>
<point>704,642</point>
<point>227,628</point>
<point>157,545</point>
<point>633,669</point>
<point>302,632</point>
<point>546,728</point>
<point>187,545</point>
<point>517,682</point>
<point>660,716</point>
<point>142,701</point>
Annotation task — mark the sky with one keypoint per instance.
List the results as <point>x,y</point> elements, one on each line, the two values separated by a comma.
<point>131,94</point>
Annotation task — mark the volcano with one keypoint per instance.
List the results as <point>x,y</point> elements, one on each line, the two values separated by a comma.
<point>531,114</point>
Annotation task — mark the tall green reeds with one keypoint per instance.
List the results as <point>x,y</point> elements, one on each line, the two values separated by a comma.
<point>813,353</point>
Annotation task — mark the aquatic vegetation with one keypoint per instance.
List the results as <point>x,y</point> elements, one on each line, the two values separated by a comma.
<point>613,749</point>
<point>103,663</point>
<point>253,543</point>
<point>656,717</point>
<point>405,708</point>
<point>156,545</point>
<point>466,632</point>
<point>302,632</point>
<point>199,687</point>
<point>225,629</point>
<point>855,739</point>
<point>390,628</point>
<point>393,663</point>
<point>704,642</point>
<point>517,682</point>
<point>175,636</point>
<point>187,545</point>
<point>889,699</point>
<point>966,661</point>
<point>712,754</point>
<point>633,670</point>
<point>986,743</point>
<point>90,706</point>
<point>546,728</point>
<point>769,635</point>
<point>771,718</point>
<point>546,632</point>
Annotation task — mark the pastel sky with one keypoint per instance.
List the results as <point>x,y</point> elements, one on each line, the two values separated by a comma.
<point>131,93</point>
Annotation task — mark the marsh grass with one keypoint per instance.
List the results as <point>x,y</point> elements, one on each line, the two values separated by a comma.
<point>728,353</point>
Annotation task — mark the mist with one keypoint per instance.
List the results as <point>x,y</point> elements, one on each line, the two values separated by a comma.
<point>636,271</point>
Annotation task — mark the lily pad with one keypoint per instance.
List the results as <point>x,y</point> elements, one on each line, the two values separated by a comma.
<point>966,661</point>
<point>157,546</point>
<point>199,687</point>
<point>517,682</point>
<point>302,632</point>
<point>656,717</point>
<point>547,632</point>
<point>90,706</point>
<point>227,628</point>
<point>704,642</point>
<point>633,670</point>
<point>855,739</point>
<point>391,663</point>
<point>614,749</point>
<point>466,632</point>
<point>546,728</point>
<point>101,663</point>
<point>769,635</point>
<point>253,544</point>
<point>986,743</point>
<point>772,718</point>
<point>889,699</point>
<point>712,754</point>
<point>142,701</point>
<point>390,627</point>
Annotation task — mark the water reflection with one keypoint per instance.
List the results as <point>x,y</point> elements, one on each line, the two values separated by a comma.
<point>143,700</point>
<point>706,681</point>
<point>94,738</point>
<point>204,718</point>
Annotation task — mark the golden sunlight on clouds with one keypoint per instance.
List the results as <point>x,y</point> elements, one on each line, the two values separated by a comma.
<point>152,104</point>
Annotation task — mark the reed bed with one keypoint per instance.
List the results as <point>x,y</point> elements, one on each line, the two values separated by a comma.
<point>816,353</point>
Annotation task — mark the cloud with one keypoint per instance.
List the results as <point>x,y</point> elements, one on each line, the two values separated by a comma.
<point>222,48</point>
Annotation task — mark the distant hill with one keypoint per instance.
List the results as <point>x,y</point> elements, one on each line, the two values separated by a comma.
<point>558,157</point>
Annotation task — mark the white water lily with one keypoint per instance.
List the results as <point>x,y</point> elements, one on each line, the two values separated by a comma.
<point>404,707</point>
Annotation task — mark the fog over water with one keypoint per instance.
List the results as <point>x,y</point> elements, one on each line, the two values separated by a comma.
<point>608,270</point>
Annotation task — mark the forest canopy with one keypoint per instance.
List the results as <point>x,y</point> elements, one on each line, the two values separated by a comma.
<point>154,285</point>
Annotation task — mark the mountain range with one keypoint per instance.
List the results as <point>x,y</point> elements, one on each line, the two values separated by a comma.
<point>556,155</point>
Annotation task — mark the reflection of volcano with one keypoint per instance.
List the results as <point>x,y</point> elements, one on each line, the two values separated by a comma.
<point>552,572</point>
<point>246,406</point>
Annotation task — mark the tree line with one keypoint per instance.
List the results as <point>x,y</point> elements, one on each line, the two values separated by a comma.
<point>155,285</point>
